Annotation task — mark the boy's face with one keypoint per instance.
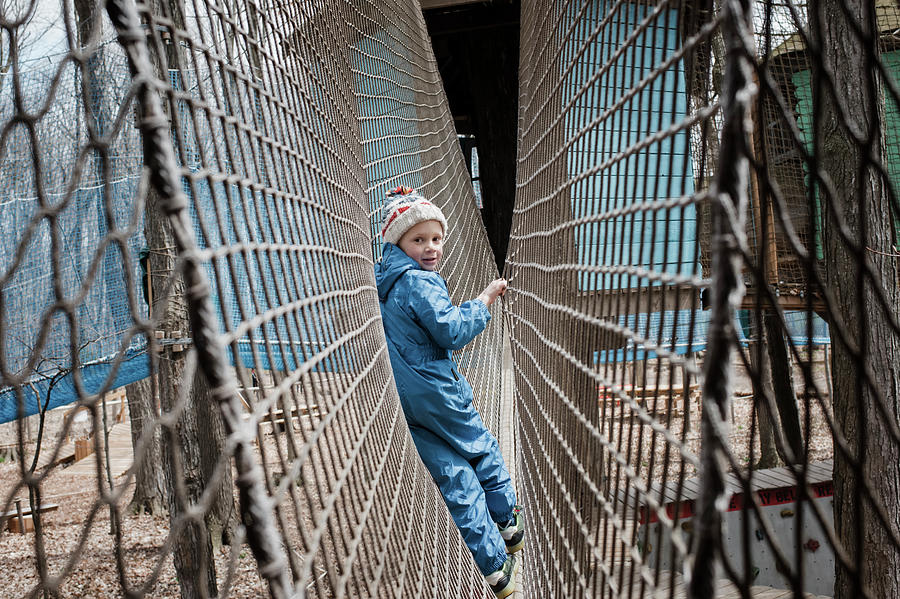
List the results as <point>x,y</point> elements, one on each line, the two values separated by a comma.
<point>424,243</point>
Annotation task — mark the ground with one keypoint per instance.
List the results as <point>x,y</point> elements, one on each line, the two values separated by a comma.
<point>94,573</point>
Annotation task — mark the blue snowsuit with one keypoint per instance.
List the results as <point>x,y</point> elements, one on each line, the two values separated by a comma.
<point>463,457</point>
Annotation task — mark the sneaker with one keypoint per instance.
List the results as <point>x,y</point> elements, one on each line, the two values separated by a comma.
<point>513,532</point>
<point>503,581</point>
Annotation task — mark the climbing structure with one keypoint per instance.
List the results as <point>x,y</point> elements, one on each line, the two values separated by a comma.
<point>695,354</point>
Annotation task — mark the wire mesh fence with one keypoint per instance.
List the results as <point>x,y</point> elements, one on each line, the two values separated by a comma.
<point>704,313</point>
<point>703,304</point>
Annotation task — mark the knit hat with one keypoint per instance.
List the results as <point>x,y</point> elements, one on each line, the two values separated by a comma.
<point>405,209</point>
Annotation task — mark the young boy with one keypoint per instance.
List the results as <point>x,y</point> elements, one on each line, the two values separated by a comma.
<point>423,327</point>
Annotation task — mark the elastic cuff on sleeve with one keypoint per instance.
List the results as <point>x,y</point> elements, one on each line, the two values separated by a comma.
<point>486,311</point>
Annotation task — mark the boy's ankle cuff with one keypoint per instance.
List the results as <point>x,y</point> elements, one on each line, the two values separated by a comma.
<point>496,566</point>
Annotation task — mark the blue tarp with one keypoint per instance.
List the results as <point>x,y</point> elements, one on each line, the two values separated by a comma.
<point>133,367</point>
<point>91,266</point>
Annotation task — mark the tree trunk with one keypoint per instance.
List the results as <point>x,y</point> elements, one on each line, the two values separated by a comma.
<point>782,381</point>
<point>768,455</point>
<point>194,446</point>
<point>777,375</point>
<point>221,518</point>
<point>862,206</point>
<point>181,449</point>
<point>149,487</point>
<point>775,380</point>
<point>143,411</point>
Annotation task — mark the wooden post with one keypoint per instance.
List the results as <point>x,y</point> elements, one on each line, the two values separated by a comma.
<point>686,391</point>
<point>20,516</point>
<point>149,288</point>
<point>771,256</point>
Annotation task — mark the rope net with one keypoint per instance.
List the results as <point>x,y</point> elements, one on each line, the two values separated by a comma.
<point>702,311</point>
<point>701,187</point>
<point>192,210</point>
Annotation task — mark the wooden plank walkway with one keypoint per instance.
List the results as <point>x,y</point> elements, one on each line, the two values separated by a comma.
<point>508,434</point>
<point>121,455</point>
<point>66,454</point>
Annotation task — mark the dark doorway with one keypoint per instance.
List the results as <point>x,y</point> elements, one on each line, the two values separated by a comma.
<point>476,45</point>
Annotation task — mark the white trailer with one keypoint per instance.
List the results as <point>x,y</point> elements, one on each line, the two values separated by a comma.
<point>786,519</point>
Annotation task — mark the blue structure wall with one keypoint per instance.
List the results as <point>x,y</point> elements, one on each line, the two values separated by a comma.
<point>628,157</point>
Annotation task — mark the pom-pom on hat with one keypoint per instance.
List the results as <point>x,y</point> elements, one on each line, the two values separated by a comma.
<point>405,209</point>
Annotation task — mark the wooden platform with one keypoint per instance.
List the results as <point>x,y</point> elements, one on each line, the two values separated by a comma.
<point>121,455</point>
<point>770,478</point>
<point>20,519</point>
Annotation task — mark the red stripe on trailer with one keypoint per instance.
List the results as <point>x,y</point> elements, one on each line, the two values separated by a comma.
<point>765,497</point>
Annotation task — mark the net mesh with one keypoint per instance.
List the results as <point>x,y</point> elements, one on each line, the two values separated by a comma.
<point>671,278</point>
<point>189,200</point>
<point>232,240</point>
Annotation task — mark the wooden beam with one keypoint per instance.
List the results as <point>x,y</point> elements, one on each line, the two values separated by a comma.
<point>636,300</point>
<point>787,302</point>
<point>429,4</point>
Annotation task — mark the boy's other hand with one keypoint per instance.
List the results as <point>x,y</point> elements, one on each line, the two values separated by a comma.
<point>493,291</point>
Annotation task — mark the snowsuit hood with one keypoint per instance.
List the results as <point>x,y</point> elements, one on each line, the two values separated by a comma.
<point>393,264</point>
